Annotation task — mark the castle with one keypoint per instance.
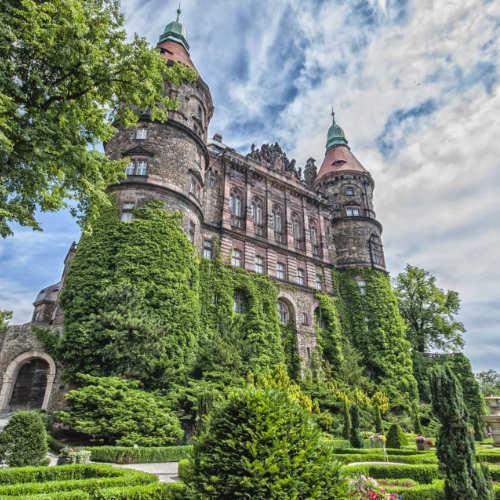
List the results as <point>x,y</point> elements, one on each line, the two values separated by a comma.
<point>269,216</point>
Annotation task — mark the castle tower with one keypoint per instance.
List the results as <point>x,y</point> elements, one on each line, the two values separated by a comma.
<point>355,233</point>
<point>168,160</point>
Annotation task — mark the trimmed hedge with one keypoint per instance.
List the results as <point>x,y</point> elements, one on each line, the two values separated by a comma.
<point>390,451</point>
<point>489,457</point>
<point>158,491</point>
<point>379,457</point>
<point>14,475</point>
<point>130,455</point>
<point>433,491</point>
<point>495,472</point>
<point>424,473</point>
<point>184,468</point>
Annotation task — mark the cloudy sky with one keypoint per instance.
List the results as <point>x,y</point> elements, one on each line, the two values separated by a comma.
<point>415,85</point>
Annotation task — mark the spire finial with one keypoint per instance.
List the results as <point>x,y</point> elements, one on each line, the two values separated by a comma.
<point>179,12</point>
<point>333,115</point>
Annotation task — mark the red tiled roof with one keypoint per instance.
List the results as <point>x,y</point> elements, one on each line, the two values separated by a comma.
<point>175,52</point>
<point>339,160</point>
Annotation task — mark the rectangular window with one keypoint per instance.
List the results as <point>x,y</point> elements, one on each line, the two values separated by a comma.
<point>141,133</point>
<point>130,168</point>
<point>349,191</point>
<point>259,264</point>
<point>207,249</point>
<point>236,258</point>
<point>319,281</point>
<point>192,231</point>
<point>126,216</point>
<point>141,167</point>
<point>352,211</point>
<point>281,271</point>
<point>301,277</point>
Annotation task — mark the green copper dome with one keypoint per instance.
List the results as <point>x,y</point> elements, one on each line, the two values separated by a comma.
<point>175,32</point>
<point>336,136</point>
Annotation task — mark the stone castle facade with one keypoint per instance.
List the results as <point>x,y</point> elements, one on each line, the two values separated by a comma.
<point>270,217</point>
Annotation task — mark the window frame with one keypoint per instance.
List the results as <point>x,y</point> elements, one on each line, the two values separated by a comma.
<point>301,276</point>
<point>352,209</point>
<point>141,133</point>
<point>207,249</point>
<point>281,271</point>
<point>259,264</point>
<point>236,257</point>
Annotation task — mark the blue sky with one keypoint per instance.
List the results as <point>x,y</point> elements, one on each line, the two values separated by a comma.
<point>415,84</point>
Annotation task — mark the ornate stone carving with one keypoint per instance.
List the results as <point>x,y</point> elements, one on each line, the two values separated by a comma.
<point>274,158</point>
<point>310,172</point>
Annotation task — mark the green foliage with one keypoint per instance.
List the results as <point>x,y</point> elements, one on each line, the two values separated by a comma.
<point>237,343</point>
<point>137,455</point>
<point>113,410</point>
<point>131,300</point>
<point>184,469</point>
<point>263,444</point>
<point>5,316</point>
<point>422,473</point>
<point>24,440</point>
<point>355,437</point>
<point>291,350</point>
<point>67,75</point>
<point>489,382</point>
<point>346,429</point>
<point>455,447</point>
<point>395,437</point>
<point>378,421</point>
<point>429,311</point>
<point>376,329</point>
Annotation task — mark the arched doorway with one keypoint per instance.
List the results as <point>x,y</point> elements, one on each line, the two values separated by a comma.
<point>28,382</point>
<point>30,385</point>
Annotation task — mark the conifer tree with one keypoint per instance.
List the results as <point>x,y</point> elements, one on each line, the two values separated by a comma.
<point>378,421</point>
<point>346,431</point>
<point>464,480</point>
<point>355,437</point>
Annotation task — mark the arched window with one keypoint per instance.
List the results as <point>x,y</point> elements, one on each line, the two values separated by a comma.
<point>313,230</point>
<point>235,208</point>
<point>278,224</point>
<point>283,312</point>
<point>258,216</point>
<point>376,250</point>
<point>298,234</point>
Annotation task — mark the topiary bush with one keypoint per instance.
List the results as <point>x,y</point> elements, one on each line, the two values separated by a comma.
<point>355,437</point>
<point>395,437</point>
<point>112,410</point>
<point>263,444</point>
<point>24,440</point>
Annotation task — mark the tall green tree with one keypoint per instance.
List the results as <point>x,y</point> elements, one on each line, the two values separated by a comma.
<point>68,75</point>
<point>429,312</point>
<point>489,382</point>
<point>455,445</point>
<point>4,318</point>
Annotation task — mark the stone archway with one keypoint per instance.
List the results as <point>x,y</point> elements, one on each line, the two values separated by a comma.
<point>28,381</point>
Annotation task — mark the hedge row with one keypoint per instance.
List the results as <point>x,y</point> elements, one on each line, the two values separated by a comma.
<point>390,451</point>
<point>129,478</point>
<point>379,457</point>
<point>130,455</point>
<point>158,491</point>
<point>14,475</point>
<point>433,491</point>
<point>424,474</point>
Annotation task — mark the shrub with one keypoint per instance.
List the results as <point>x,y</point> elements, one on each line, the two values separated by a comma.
<point>395,437</point>
<point>424,474</point>
<point>379,457</point>
<point>185,469</point>
<point>114,410</point>
<point>132,455</point>
<point>24,440</point>
<point>263,444</point>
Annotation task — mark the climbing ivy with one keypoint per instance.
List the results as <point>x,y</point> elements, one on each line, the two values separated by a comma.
<point>131,299</point>
<point>371,318</point>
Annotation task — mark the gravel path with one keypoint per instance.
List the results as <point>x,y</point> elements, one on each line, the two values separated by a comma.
<point>167,472</point>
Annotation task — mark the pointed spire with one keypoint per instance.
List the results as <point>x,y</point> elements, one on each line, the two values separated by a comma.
<point>179,12</point>
<point>175,32</point>
<point>336,136</point>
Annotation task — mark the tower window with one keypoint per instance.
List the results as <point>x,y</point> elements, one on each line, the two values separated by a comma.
<point>238,301</point>
<point>141,133</point>
<point>207,249</point>
<point>137,167</point>
<point>281,271</point>
<point>352,211</point>
<point>194,187</point>
<point>259,264</point>
<point>283,312</point>
<point>236,258</point>
<point>362,285</point>
<point>305,318</point>
<point>349,191</point>
<point>301,277</point>
<point>192,231</point>
<point>126,214</point>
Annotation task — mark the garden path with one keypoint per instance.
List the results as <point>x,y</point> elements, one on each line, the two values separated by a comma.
<point>167,472</point>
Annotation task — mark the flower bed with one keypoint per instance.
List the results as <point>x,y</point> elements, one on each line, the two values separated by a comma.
<point>130,455</point>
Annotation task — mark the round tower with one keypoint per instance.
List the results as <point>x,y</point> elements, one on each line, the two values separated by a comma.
<point>355,233</point>
<point>168,160</point>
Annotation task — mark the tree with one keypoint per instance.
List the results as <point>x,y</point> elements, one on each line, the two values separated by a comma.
<point>395,437</point>
<point>263,444</point>
<point>23,442</point>
<point>355,437</point>
<point>111,410</point>
<point>5,316</point>
<point>455,446</point>
<point>346,429</point>
<point>489,382</point>
<point>429,311</point>
<point>68,75</point>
